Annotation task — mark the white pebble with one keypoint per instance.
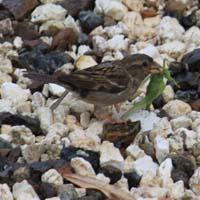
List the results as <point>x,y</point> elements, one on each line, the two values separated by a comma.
<point>110,156</point>
<point>5,193</point>
<point>82,167</point>
<point>161,147</point>
<point>23,191</point>
<point>14,93</point>
<point>176,108</point>
<point>169,29</point>
<point>55,89</point>
<point>194,182</point>
<point>145,165</point>
<point>47,12</point>
<point>53,177</point>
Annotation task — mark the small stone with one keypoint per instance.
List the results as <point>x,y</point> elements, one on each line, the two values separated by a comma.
<point>22,135</point>
<point>173,49</point>
<point>37,100</point>
<point>168,93</point>
<point>114,9</point>
<point>24,107</point>
<point>177,190</point>
<point>81,139</point>
<point>58,129</point>
<point>69,22</point>
<point>161,147</point>
<point>5,193</point>
<point>192,35</point>
<point>176,143</point>
<point>6,26</point>
<point>84,62</point>
<point>152,21</point>
<point>147,119</point>
<point>196,149</point>
<point>190,137</point>
<point>110,155</point>
<point>117,43</point>
<point>196,125</point>
<point>154,192</point>
<point>176,108</point>
<point>181,122</point>
<point>6,106</point>
<point>194,115</point>
<point>52,177</point>
<point>145,165</point>
<point>24,190</point>
<point>194,182</point>
<point>169,29</point>
<point>53,198</point>
<point>67,192</point>
<point>90,20</point>
<point>32,153</point>
<point>135,151</point>
<point>85,119</point>
<point>118,29</point>
<point>95,128</point>
<point>48,12</point>
<point>151,51</point>
<point>14,93</point>
<point>135,5</point>
<point>18,42</point>
<point>6,65</point>
<point>4,77</point>
<point>164,172</point>
<point>82,167</point>
<point>45,116</point>
<point>55,89</point>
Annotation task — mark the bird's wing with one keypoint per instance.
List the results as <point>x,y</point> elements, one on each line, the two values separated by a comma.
<point>103,77</point>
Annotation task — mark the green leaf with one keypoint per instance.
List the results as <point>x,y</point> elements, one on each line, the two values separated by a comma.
<point>154,89</point>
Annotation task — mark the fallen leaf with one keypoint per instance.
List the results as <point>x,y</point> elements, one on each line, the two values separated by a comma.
<point>112,192</point>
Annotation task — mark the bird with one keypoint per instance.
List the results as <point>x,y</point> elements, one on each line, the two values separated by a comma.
<point>107,83</point>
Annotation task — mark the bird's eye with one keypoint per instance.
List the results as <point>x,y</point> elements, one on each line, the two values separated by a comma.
<point>145,64</point>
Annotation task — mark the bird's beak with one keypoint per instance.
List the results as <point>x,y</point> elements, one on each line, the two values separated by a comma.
<point>155,68</point>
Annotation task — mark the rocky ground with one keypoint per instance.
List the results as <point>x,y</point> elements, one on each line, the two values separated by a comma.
<point>69,154</point>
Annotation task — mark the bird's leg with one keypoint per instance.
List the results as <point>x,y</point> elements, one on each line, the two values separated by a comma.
<point>58,101</point>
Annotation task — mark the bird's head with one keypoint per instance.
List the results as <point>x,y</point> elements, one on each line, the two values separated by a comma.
<point>144,63</point>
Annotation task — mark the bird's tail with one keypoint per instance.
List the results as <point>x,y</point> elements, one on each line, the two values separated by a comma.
<point>43,78</point>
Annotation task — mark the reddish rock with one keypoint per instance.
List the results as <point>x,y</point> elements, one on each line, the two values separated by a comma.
<point>75,6</point>
<point>64,38</point>
<point>19,8</point>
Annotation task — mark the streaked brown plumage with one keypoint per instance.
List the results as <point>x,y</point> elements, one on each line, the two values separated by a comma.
<point>107,83</point>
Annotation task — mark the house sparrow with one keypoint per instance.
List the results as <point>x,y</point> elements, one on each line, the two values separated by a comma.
<point>104,84</point>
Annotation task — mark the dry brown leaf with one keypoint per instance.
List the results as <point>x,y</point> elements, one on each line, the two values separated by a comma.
<point>112,192</point>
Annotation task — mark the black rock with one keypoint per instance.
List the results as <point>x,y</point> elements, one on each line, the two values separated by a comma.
<point>189,20</point>
<point>184,167</point>
<point>41,167</point>
<point>5,144</point>
<point>192,59</point>
<point>133,179</point>
<point>90,20</point>
<point>158,102</point>
<point>67,192</point>
<point>44,62</point>
<point>178,175</point>
<point>113,173</point>
<point>18,119</point>
<point>72,152</point>
<point>95,194</point>
<point>187,95</point>
<point>14,154</point>
<point>46,190</point>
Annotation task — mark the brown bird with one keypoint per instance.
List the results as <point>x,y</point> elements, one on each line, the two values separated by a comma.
<point>104,84</point>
